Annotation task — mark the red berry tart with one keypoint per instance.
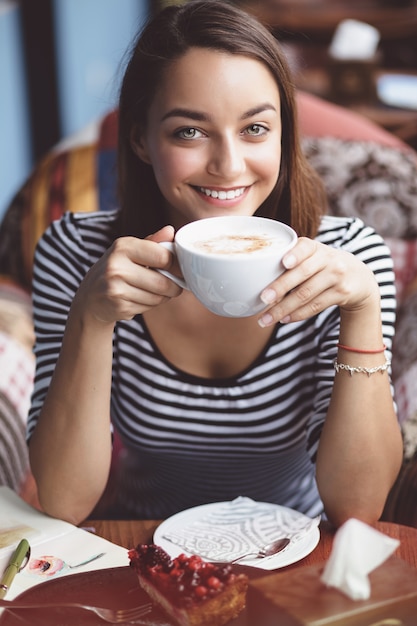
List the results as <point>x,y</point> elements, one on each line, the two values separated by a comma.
<point>192,591</point>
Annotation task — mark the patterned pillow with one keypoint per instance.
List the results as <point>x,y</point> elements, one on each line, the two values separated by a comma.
<point>379,184</point>
<point>405,367</point>
<point>16,383</point>
<point>374,182</point>
<point>14,457</point>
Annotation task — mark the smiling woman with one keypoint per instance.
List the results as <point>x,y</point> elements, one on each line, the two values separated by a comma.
<point>209,408</point>
<point>209,153</point>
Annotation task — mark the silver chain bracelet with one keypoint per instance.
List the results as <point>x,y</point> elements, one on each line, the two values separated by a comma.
<point>361,370</point>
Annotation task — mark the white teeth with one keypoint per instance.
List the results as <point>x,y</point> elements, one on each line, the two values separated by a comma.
<point>223,195</point>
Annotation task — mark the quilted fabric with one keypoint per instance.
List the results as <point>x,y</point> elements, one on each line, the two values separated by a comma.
<point>364,179</point>
<point>14,458</point>
<point>16,383</point>
<point>80,178</point>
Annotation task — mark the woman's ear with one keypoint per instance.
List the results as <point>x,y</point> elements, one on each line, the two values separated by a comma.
<point>138,145</point>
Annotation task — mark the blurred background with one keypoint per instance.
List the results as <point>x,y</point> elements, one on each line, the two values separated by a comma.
<point>61,62</point>
<point>59,69</point>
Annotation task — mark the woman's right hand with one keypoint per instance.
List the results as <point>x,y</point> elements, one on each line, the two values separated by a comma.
<point>72,437</point>
<point>122,284</point>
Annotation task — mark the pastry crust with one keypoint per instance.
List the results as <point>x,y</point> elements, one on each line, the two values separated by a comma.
<point>191,591</point>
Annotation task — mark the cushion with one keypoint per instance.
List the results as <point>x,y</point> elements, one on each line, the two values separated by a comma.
<point>14,458</point>
<point>17,366</point>
<point>16,314</point>
<point>364,179</point>
<point>320,118</point>
<point>404,255</point>
<point>78,175</point>
<point>405,363</point>
<point>16,384</point>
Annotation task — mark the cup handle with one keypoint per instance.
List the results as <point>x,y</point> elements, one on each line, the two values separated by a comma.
<point>169,245</point>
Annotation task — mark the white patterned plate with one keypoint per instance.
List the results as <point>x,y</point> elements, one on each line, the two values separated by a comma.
<point>215,533</point>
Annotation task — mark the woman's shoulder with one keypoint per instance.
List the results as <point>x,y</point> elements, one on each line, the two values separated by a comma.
<point>345,231</point>
<point>77,227</point>
<point>353,235</point>
<point>78,239</point>
<point>91,220</point>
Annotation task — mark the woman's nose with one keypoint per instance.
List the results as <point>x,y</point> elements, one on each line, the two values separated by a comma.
<point>227,159</point>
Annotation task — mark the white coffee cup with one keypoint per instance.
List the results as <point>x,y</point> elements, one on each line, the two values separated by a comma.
<point>228,261</point>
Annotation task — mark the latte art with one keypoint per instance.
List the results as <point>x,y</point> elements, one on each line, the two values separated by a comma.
<point>234,244</point>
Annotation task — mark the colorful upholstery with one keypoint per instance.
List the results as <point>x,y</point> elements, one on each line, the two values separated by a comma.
<point>78,178</point>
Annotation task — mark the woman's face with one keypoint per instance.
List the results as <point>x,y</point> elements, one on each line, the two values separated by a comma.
<point>213,135</point>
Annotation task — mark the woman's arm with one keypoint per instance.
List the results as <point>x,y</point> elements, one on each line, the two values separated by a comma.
<point>360,448</point>
<point>70,448</point>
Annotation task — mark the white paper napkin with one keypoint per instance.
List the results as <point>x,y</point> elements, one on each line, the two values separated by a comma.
<point>357,550</point>
<point>239,527</point>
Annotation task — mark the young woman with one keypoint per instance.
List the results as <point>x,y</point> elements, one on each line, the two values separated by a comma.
<point>293,406</point>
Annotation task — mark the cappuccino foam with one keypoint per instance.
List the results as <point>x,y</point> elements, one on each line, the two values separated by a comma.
<point>235,244</point>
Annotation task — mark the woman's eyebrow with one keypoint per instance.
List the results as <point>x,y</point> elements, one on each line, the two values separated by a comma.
<point>188,113</point>
<point>260,108</point>
<point>198,116</point>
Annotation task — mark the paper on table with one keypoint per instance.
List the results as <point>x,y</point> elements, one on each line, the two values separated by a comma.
<point>238,527</point>
<point>357,550</point>
<point>49,537</point>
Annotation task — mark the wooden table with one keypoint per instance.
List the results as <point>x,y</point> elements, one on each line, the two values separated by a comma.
<point>296,593</point>
<point>129,533</point>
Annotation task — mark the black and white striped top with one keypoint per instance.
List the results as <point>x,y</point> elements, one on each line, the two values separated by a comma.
<point>190,440</point>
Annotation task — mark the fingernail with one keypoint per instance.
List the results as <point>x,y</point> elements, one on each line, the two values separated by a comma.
<point>268,296</point>
<point>289,261</point>
<point>265,320</point>
<point>285,319</point>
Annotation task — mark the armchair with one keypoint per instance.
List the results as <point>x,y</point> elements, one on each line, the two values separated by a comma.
<point>367,172</point>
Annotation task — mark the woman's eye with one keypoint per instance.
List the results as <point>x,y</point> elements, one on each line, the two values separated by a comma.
<point>256,130</point>
<point>188,133</point>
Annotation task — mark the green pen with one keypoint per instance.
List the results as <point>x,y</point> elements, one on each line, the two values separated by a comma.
<point>18,561</point>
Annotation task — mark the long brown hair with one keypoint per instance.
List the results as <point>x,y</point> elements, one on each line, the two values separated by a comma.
<point>298,198</point>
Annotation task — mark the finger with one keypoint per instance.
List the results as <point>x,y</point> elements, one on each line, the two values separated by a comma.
<point>303,302</point>
<point>303,249</point>
<point>306,263</point>
<point>123,299</point>
<point>337,282</point>
<point>153,282</point>
<point>124,272</point>
<point>139,252</point>
<point>166,233</point>
<point>145,280</point>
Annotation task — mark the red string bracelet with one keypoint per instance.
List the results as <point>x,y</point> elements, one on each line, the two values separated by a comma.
<point>360,351</point>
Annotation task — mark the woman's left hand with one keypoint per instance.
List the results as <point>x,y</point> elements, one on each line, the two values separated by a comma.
<point>317,277</point>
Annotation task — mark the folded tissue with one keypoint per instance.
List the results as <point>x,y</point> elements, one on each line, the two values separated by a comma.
<point>357,550</point>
